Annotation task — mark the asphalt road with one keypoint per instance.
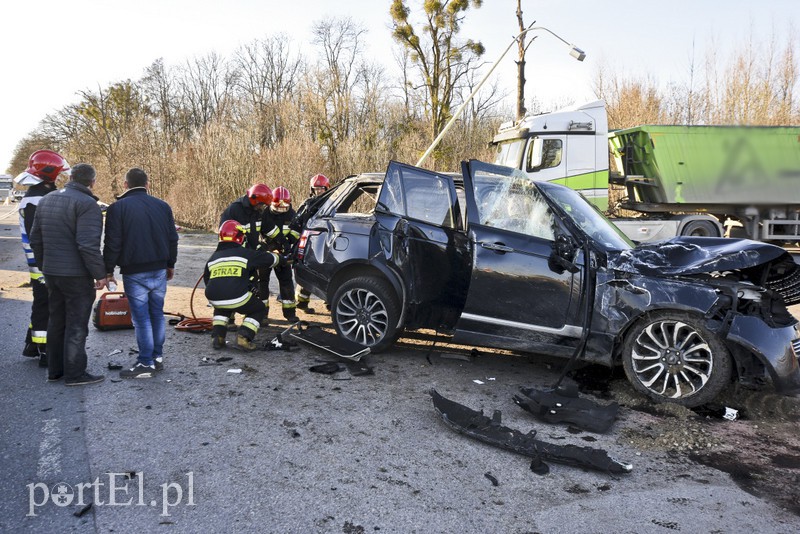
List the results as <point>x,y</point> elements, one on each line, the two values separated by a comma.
<point>277,448</point>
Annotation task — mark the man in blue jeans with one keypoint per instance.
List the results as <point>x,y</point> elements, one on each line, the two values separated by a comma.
<point>141,239</point>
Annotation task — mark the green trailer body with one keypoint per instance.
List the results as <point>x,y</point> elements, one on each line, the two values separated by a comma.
<point>709,165</point>
<point>678,180</point>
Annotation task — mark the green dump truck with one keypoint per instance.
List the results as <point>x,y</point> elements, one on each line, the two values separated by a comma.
<point>674,180</point>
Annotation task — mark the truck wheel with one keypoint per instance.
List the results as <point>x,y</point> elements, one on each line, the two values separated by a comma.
<point>700,228</point>
<point>670,356</point>
<point>365,310</point>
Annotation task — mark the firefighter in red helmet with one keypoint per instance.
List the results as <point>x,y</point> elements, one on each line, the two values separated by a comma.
<point>228,285</point>
<point>280,234</point>
<point>318,185</point>
<point>44,167</point>
<point>248,212</point>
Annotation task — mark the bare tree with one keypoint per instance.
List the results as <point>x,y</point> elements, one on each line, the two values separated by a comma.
<point>332,99</point>
<point>269,74</point>
<point>205,85</point>
<point>159,88</point>
<point>442,60</point>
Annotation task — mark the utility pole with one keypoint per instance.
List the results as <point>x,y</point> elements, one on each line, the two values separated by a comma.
<point>521,64</point>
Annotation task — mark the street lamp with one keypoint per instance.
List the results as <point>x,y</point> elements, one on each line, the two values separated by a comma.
<point>574,51</point>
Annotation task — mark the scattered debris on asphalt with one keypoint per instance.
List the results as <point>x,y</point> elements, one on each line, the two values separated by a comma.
<point>563,405</point>
<point>317,337</point>
<point>82,511</point>
<point>327,368</point>
<point>476,425</point>
<point>492,479</point>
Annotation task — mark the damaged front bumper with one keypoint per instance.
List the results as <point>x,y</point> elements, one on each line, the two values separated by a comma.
<point>778,351</point>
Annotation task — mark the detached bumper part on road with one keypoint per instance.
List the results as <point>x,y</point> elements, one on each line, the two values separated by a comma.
<point>778,352</point>
<point>476,425</point>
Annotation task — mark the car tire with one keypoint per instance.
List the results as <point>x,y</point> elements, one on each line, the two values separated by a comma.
<point>365,310</point>
<point>671,356</point>
<point>700,228</point>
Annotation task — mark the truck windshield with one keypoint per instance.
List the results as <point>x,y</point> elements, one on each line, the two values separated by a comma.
<point>587,217</point>
<point>509,153</point>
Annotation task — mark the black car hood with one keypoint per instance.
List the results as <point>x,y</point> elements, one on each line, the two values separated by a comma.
<point>695,255</point>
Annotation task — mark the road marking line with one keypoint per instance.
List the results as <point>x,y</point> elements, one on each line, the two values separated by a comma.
<point>49,451</point>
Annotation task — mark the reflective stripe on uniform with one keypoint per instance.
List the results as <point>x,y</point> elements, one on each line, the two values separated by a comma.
<point>251,323</point>
<point>39,336</point>
<point>231,303</point>
<point>274,232</point>
<point>26,245</point>
<point>219,320</point>
<point>286,304</point>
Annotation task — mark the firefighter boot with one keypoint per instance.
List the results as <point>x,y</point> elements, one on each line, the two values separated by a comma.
<point>218,342</point>
<point>30,350</point>
<point>242,343</point>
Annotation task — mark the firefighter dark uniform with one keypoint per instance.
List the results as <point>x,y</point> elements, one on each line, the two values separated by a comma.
<point>44,167</point>
<point>36,338</point>
<point>280,235</point>
<point>228,287</point>
<point>247,211</point>
<point>318,185</point>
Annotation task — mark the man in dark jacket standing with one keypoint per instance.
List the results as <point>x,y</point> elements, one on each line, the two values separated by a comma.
<point>141,239</point>
<point>65,239</point>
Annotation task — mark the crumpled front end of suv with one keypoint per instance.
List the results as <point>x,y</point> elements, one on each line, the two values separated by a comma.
<point>742,288</point>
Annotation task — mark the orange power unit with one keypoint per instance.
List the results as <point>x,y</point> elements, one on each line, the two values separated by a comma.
<point>112,312</point>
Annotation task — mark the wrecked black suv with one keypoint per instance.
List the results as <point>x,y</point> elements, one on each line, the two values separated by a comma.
<point>494,259</point>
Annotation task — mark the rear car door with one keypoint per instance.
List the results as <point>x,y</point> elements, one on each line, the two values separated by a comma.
<point>515,300</point>
<point>420,236</point>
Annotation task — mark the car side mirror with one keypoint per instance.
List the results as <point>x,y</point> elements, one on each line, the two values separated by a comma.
<point>563,256</point>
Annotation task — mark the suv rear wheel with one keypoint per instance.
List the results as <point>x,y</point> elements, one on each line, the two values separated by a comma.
<point>365,310</point>
<point>670,356</point>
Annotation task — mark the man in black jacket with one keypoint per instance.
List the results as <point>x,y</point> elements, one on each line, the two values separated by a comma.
<point>228,287</point>
<point>65,238</point>
<point>141,239</point>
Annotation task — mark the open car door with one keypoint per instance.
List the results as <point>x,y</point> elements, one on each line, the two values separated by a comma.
<point>517,298</point>
<point>421,236</point>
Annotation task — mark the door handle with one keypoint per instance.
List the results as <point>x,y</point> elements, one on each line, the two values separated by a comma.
<point>497,247</point>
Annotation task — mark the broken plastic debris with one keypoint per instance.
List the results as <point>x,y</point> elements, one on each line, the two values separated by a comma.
<point>451,356</point>
<point>234,371</point>
<point>114,366</point>
<point>730,414</point>
<point>563,405</point>
<point>115,351</point>
<point>327,368</point>
<point>479,382</point>
<point>83,510</point>
<point>490,430</point>
<point>492,479</point>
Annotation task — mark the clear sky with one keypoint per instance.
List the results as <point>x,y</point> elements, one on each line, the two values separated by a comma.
<point>54,48</point>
